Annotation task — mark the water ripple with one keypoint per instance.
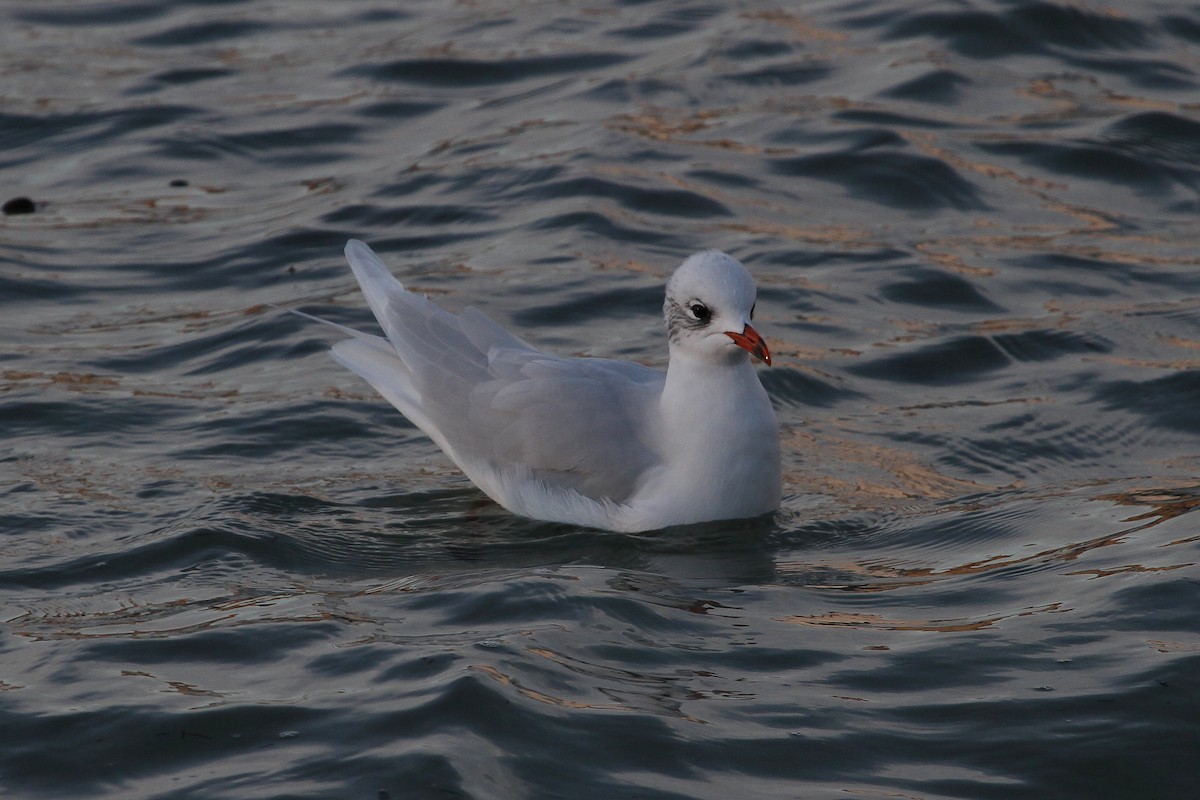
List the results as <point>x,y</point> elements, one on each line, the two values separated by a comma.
<point>459,72</point>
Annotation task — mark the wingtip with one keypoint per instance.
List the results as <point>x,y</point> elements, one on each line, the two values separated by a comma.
<point>365,261</point>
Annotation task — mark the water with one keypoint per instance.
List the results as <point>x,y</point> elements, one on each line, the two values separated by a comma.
<point>231,571</point>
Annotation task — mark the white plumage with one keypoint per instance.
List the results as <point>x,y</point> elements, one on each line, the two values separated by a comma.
<point>590,441</point>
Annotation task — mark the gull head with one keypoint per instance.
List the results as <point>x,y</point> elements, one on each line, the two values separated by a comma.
<point>708,308</point>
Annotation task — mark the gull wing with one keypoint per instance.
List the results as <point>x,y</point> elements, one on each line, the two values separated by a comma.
<point>508,414</point>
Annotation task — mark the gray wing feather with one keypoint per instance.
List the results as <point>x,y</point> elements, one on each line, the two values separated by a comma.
<point>486,397</point>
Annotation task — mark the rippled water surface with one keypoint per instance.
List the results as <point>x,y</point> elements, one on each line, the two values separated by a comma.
<point>231,571</point>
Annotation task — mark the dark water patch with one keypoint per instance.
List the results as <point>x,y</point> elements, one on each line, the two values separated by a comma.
<point>796,534</point>
<point>1191,206</point>
<point>944,363</point>
<point>653,90</point>
<point>967,556</point>
<point>1111,162</point>
<point>689,12</point>
<point>722,537</point>
<point>155,490</point>
<point>304,145</point>
<point>750,49</point>
<point>869,17</point>
<point>791,387</point>
<point>273,503</point>
<point>265,261</point>
<point>1080,718</point>
<point>365,661</point>
<point>655,29</point>
<point>599,226</point>
<point>657,155</point>
<point>382,15</point>
<point>88,418</point>
<point>533,600</point>
<point>243,342</point>
<point>1013,422</point>
<point>1047,345</point>
<point>421,243</point>
<point>1066,289</point>
<point>202,33</point>
<point>782,74</point>
<point>887,118</point>
<point>721,178</point>
<point>500,184</point>
<point>812,329</point>
<point>405,772</point>
<point>19,524</point>
<point>1168,402</point>
<point>460,72</point>
<point>411,538</point>
<point>1169,601</point>
<point>80,131</point>
<point>588,746</point>
<point>577,307</point>
<point>134,558</point>
<point>817,758</point>
<point>933,289</point>
<point>1039,448</point>
<point>556,26</point>
<point>385,528</point>
<point>1022,28</point>
<point>23,288</point>
<point>186,77</point>
<point>1158,136</point>
<point>942,86</point>
<point>1013,444</point>
<point>975,34</point>
<point>181,77</point>
<point>456,539</point>
<point>1184,316</point>
<point>978,658</point>
<point>1141,72</point>
<point>1182,26</point>
<point>250,435</point>
<point>833,256</point>
<point>908,182</point>
<point>407,537</point>
<point>398,109</point>
<point>410,182</point>
<point>855,139</point>
<point>1097,276</point>
<point>239,643</point>
<point>1078,27</point>
<point>208,736</point>
<point>424,214</point>
<point>773,661</point>
<point>667,202</point>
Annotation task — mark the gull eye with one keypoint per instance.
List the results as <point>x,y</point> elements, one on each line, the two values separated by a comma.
<point>700,312</point>
<point>752,310</point>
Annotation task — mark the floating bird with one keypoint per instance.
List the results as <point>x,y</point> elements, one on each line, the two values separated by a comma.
<point>595,442</point>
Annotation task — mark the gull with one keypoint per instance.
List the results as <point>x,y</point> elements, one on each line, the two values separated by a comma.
<point>594,442</point>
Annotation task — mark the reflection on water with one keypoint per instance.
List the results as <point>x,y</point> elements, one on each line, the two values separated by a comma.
<point>230,570</point>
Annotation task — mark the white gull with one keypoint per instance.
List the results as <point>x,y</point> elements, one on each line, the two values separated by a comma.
<point>588,441</point>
